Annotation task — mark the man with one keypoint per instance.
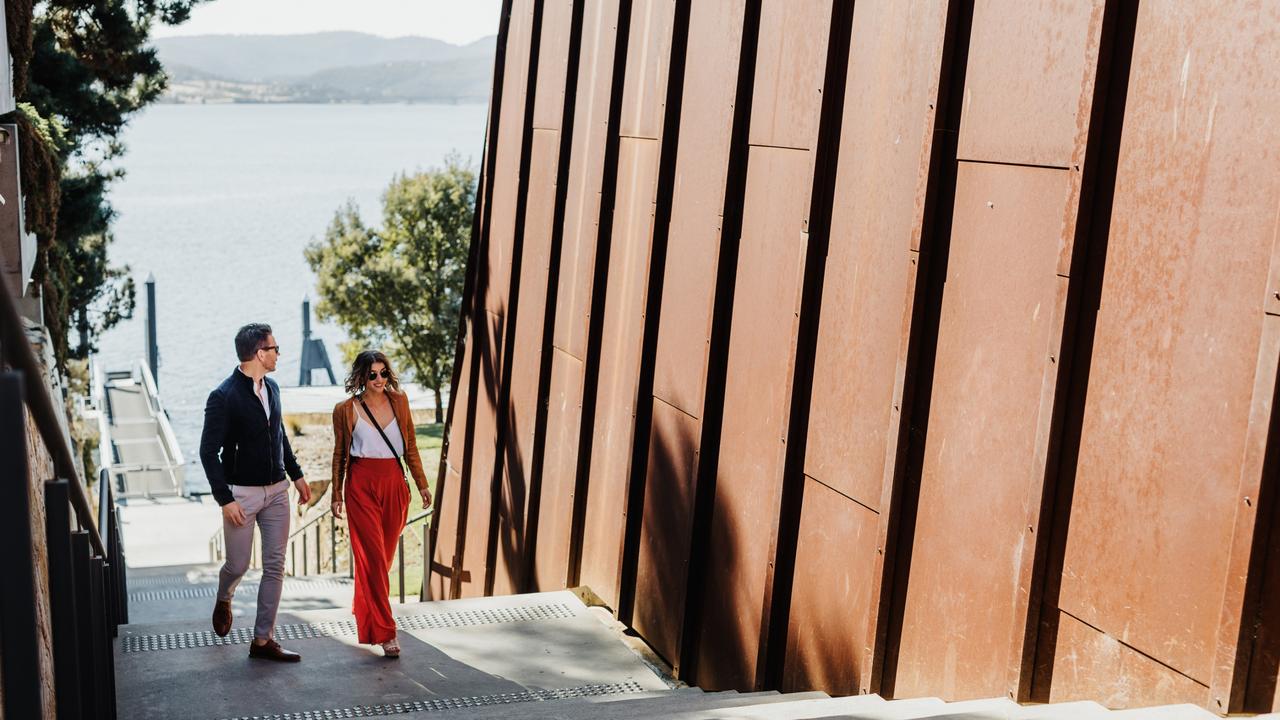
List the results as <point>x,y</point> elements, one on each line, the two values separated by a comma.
<point>245,453</point>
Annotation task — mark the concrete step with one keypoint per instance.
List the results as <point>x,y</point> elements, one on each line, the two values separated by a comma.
<point>620,707</point>
<point>1164,712</point>
<point>1080,710</point>
<point>792,708</point>
<point>543,646</point>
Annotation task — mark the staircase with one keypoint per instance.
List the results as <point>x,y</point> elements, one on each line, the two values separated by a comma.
<point>543,655</point>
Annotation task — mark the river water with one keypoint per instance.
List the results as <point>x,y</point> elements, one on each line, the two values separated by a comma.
<point>219,203</point>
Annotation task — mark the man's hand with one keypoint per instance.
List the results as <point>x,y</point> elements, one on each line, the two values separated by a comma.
<point>336,505</point>
<point>233,512</point>
<point>426,499</point>
<point>304,491</point>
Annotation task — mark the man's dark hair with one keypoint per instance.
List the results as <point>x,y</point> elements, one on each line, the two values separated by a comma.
<point>250,339</point>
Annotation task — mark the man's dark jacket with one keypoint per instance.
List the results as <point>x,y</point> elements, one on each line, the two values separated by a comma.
<point>240,445</point>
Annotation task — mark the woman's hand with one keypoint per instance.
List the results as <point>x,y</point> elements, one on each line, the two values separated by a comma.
<point>336,506</point>
<point>426,499</point>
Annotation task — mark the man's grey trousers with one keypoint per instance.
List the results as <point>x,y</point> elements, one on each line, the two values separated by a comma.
<point>268,506</point>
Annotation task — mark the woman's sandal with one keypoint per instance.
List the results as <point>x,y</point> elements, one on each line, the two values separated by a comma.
<point>391,648</point>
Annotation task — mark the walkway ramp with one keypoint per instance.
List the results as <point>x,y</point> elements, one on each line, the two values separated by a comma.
<point>138,444</point>
<point>542,655</point>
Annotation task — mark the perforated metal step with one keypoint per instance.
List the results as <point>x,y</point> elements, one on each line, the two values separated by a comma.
<point>439,704</point>
<point>209,590</point>
<point>303,631</point>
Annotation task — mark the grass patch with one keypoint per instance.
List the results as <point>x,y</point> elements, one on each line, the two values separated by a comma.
<point>430,440</point>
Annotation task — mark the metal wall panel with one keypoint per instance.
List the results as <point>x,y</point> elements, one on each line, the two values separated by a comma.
<point>483,442</point>
<point>553,64</point>
<point>662,570</point>
<point>1175,398</point>
<point>1184,362</point>
<point>693,244</point>
<point>684,332</point>
<point>506,175</point>
<point>886,144</point>
<point>995,337</point>
<point>1028,62</point>
<point>463,544</point>
<point>550,566</point>
<point>525,356</point>
<point>524,360</point>
<point>831,596</point>
<point>555,512</point>
<point>1108,672</point>
<point>586,170</point>
<point>790,59</point>
<point>648,56</point>
<point>757,400</point>
<point>993,393</point>
<point>617,384</point>
<point>762,340</point>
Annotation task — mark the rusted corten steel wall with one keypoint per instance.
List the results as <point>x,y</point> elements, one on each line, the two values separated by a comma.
<point>518,405</point>
<point>611,424</point>
<point>790,65</point>
<point>1157,583</point>
<point>922,348</point>
<point>590,170</point>
<point>668,469</point>
<point>1028,89</point>
<point>879,217</point>
<point>472,407</point>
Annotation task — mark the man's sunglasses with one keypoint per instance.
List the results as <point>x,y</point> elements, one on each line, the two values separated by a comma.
<point>271,347</point>
<point>374,375</point>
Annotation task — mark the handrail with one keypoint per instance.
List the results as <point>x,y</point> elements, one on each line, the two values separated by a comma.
<point>16,351</point>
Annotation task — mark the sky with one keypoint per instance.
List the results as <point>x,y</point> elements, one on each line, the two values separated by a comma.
<point>454,21</point>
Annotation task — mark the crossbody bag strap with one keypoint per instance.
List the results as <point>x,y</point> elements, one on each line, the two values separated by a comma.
<point>374,422</point>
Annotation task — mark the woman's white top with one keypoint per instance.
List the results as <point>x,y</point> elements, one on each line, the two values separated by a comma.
<point>367,443</point>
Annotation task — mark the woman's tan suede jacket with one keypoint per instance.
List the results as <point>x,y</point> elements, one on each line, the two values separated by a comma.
<point>344,424</point>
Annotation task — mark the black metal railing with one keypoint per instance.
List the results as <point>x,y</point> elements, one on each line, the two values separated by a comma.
<point>309,539</point>
<point>78,564</point>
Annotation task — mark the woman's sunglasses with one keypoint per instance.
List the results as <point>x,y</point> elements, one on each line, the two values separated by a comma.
<point>374,375</point>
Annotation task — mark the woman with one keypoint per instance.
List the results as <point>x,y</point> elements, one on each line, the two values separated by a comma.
<point>373,431</point>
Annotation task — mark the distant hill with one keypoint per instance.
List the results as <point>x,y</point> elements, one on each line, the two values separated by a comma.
<point>325,67</point>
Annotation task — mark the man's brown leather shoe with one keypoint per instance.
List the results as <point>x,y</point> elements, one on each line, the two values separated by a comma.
<point>222,617</point>
<point>272,651</point>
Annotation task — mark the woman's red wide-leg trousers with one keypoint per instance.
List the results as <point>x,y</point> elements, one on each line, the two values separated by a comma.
<point>377,500</point>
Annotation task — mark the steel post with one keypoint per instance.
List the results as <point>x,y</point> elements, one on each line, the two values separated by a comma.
<point>19,658</point>
<point>62,599</point>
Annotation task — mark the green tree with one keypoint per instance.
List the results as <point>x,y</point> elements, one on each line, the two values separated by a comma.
<point>399,288</point>
<point>81,69</point>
